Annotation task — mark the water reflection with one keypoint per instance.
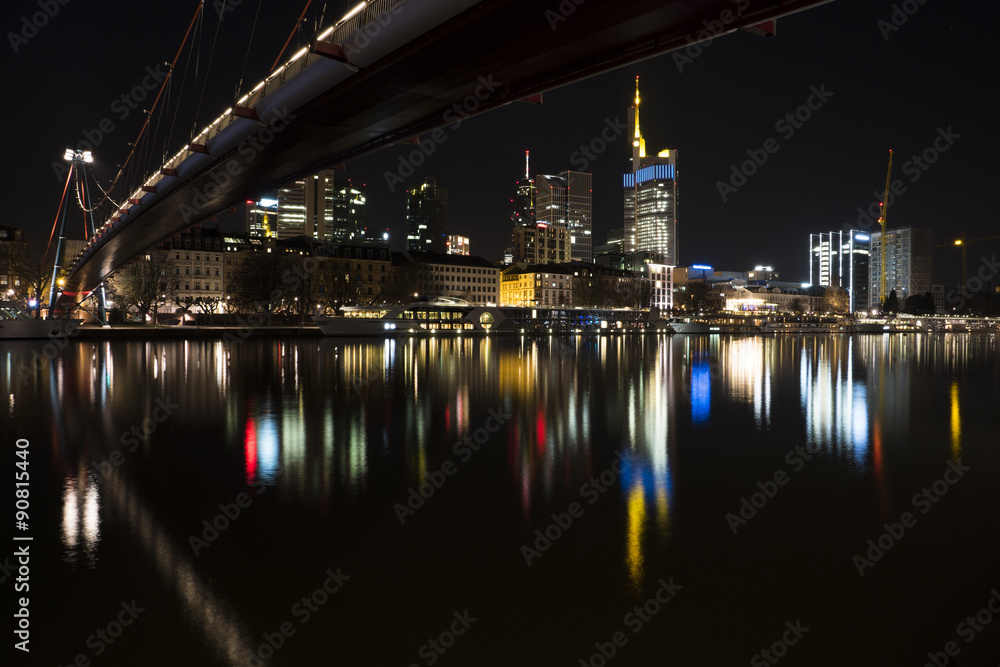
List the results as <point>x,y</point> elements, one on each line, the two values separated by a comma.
<point>334,423</point>
<point>81,519</point>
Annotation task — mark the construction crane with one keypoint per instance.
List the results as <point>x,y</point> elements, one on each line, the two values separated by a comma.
<point>962,243</point>
<point>881,220</point>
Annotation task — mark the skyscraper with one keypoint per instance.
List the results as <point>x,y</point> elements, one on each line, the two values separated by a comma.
<point>842,259</point>
<point>523,203</point>
<point>907,253</point>
<point>650,196</point>
<point>564,200</point>
<point>427,217</point>
<point>324,207</point>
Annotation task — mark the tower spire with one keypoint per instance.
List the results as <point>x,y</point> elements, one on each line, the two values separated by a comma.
<point>527,175</point>
<point>638,144</point>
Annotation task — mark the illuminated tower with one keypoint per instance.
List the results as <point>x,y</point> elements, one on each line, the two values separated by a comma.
<point>650,196</point>
<point>523,202</point>
<point>427,217</point>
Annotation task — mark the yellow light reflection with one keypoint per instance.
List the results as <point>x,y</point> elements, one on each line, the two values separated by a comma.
<point>956,423</point>
<point>636,527</point>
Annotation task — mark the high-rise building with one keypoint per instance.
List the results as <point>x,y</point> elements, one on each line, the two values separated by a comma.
<point>842,259</point>
<point>261,218</point>
<point>907,253</point>
<point>541,244</point>
<point>523,202</point>
<point>564,200</point>
<point>346,206</point>
<point>427,217</point>
<point>323,207</point>
<point>650,195</point>
<point>458,245</point>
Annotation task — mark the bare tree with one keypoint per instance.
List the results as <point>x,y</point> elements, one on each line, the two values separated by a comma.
<point>835,300</point>
<point>144,283</point>
<point>258,283</point>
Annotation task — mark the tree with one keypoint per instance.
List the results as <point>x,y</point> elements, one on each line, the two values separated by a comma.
<point>892,303</point>
<point>34,270</point>
<point>835,300</point>
<point>338,290</point>
<point>797,306</point>
<point>258,282</point>
<point>144,283</point>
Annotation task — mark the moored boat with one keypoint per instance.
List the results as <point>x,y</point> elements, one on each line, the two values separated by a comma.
<point>16,323</point>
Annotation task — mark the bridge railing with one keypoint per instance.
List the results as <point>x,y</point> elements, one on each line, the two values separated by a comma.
<point>353,23</point>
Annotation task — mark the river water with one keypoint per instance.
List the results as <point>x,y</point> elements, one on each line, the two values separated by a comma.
<point>690,500</point>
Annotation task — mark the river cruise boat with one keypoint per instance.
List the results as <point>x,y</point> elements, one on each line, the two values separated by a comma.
<point>447,315</point>
<point>15,322</point>
<point>717,324</point>
<point>805,324</point>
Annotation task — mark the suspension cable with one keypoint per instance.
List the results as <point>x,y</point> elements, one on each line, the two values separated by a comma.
<point>290,35</point>
<point>160,92</point>
<point>253,29</point>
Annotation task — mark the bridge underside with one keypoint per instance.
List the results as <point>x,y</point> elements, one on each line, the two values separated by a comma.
<point>504,50</point>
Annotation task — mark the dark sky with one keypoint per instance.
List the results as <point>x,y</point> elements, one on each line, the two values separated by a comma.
<point>937,71</point>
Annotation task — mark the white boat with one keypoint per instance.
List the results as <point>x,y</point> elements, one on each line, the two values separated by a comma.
<point>716,324</point>
<point>451,316</point>
<point>15,322</point>
<point>807,324</point>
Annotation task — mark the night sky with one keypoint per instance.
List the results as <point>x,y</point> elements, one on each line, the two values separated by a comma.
<point>898,89</point>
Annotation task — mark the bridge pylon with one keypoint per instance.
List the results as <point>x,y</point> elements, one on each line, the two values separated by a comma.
<point>78,175</point>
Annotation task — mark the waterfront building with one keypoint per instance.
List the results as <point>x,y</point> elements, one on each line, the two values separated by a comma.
<point>908,256</point>
<point>650,195</point>
<point>842,259</point>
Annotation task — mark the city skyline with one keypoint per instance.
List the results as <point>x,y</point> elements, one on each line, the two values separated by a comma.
<point>711,104</point>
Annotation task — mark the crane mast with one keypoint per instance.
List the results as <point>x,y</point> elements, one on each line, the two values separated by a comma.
<point>881,221</point>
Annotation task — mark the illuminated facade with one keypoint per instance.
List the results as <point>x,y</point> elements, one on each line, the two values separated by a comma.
<point>458,245</point>
<point>198,279</point>
<point>427,217</point>
<point>465,277</point>
<point>322,207</point>
<point>537,285</point>
<point>907,252</point>
<point>564,200</point>
<point>841,259</point>
<point>650,196</point>
<point>541,244</point>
